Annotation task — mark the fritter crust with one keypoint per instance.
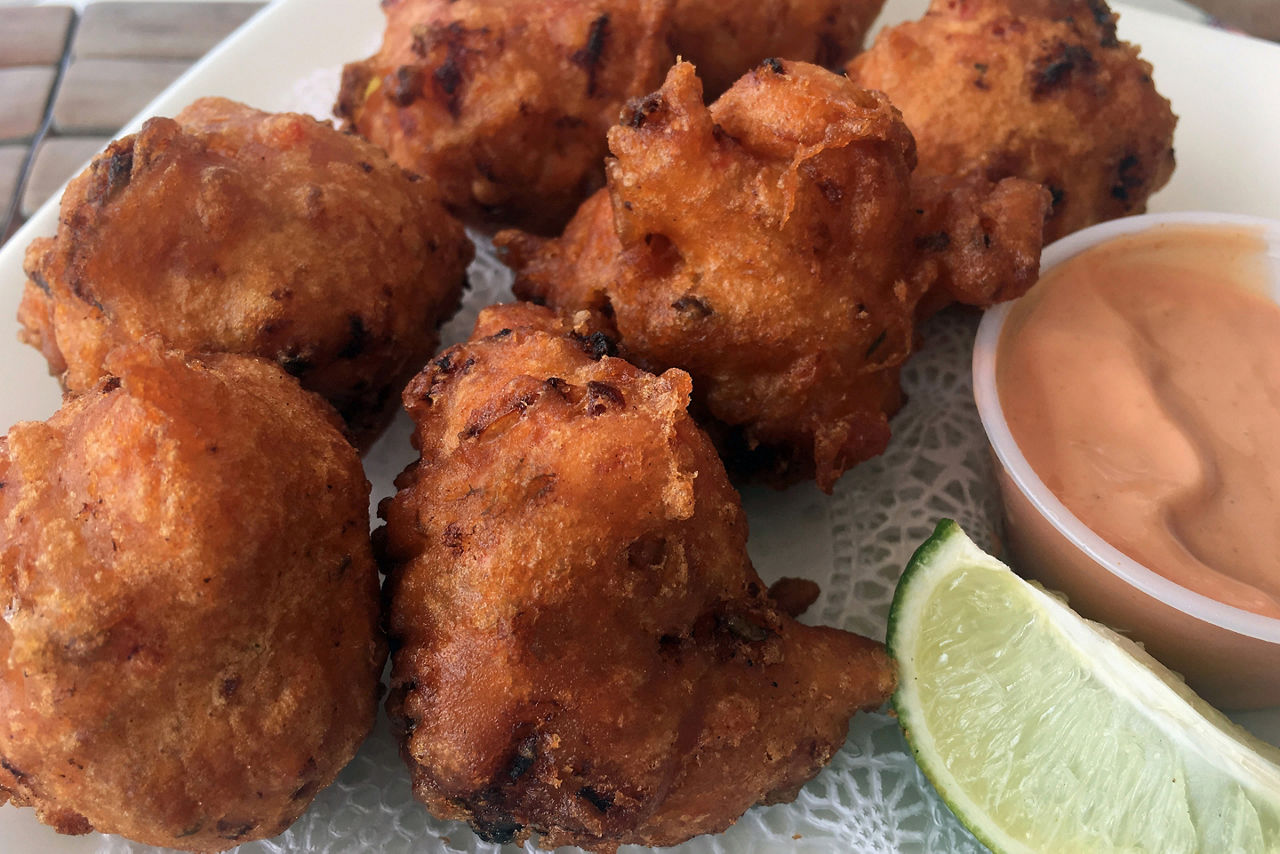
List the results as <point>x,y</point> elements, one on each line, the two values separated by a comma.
<point>190,647</point>
<point>725,40</point>
<point>232,230</point>
<point>505,103</point>
<point>773,247</point>
<point>1038,89</point>
<point>584,651</point>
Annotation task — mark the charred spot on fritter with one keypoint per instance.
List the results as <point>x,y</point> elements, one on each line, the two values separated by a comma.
<point>1106,20</point>
<point>525,754</point>
<point>306,791</point>
<point>742,627</point>
<point>589,56</point>
<point>447,76</point>
<point>692,305</point>
<point>601,397</point>
<point>232,829</point>
<point>980,82</point>
<point>597,345</point>
<point>876,343</point>
<point>445,365</point>
<point>452,537</point>
<point>40,281</point>
<point>831,190</point>
<point>1057,196</point>
<point>638,110</point>
<point>559,386</point>
<point>17,773</point>
<point>357,337</point>
<point>351,94</point>
<point>491,821</point>
<point>403,85</point>
<point>938,241</point>
<point>112,172</point>
<point>295,365</point>
<point>1130,176</point>
<point>602,801</point>
<point>1055,69</point>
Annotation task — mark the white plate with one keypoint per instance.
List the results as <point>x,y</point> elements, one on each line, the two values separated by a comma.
<point>1225,88</point>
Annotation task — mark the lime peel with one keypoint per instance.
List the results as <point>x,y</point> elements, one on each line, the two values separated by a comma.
<point>1043,731</point>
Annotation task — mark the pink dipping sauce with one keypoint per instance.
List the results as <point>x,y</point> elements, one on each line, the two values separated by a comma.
<point>1141,381</point>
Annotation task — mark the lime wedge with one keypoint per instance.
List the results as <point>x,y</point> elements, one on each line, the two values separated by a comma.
<point>1045,732</point>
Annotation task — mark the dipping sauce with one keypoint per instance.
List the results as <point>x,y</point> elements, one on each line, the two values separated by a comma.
<point>1141,381</point>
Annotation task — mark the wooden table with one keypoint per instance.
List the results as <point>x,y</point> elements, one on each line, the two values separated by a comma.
<point>71,75</point>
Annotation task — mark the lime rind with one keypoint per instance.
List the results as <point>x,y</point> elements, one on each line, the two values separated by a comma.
<point>1207,784</point>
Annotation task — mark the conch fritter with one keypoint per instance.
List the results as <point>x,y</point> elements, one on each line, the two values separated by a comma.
<point>725,40</point>
<point>776,247</point>
<point>505,103</point>
<point>232,230</point>
<point>1038,89</point>
<point>190,646</point>
<point>584,651</point>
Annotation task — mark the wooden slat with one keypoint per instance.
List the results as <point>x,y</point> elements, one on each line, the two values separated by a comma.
<point>57,160</point>
<point>12,159</point>
<point>156,30</point>
<point>24,92</point>
<point>33,35</point>
<point>100,95</point>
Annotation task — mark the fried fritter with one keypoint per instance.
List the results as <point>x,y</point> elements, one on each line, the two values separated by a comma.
<point>774,248</point>
<point>505,103</point>
<point>1038,89</point>
<point>726,40</point>
<point>978,241</point>
<point>232,230</point>
<point>190,646</point>
<point>585,652</point>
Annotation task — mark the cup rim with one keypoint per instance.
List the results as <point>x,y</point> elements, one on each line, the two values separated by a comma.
<point>1010,456</point>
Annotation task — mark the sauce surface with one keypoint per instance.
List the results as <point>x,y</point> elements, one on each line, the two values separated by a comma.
<point>1141,380</point>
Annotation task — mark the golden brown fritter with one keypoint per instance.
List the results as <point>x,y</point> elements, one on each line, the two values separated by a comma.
<point>978,241</point>
<point>584,650</point>
<point>231,230</point>
<point>190,649</point>
<point>505,103</point>
<point>772,247</point>
<point>725,40</point>
<point>1038,89</point>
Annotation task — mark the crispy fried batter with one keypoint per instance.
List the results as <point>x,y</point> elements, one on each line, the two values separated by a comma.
<point>1038,89</point>
<point>584,650</point>
<point>506,102</point>
<point>771,247</point>
<point>233,230</point>
<point>978,241</point>
<point>725,40</point>
<point>190,647</point>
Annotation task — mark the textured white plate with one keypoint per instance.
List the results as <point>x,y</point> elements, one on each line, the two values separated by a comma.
<point>872,799</point>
